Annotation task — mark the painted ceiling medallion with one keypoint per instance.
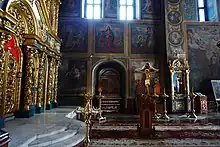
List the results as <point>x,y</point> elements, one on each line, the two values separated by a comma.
<point>175,38</point>
<point>174,17</point>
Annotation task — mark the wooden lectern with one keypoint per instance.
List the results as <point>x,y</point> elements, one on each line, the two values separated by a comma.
<point>147,105</point>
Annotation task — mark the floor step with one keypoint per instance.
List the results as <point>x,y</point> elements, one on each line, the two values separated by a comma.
<point>73,141</point>
<point>53,139</point>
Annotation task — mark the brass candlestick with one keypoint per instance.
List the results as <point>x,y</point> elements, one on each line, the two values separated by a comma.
<point>192,96</point>
<point>100,97</point>
<point>87,117</point>
<point>155,96</point>
<point>165,96</point>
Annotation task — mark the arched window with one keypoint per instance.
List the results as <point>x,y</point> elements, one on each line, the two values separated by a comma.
<point>126,9</point>
<point>201,10</point>
<point>93,9</point>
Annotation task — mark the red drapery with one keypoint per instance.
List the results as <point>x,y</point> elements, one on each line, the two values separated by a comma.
<point>10,44</point>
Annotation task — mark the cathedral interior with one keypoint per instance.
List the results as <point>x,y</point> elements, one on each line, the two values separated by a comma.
<point>109,73</point>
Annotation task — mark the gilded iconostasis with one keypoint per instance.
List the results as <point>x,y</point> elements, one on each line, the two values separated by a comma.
<point>29,57</point>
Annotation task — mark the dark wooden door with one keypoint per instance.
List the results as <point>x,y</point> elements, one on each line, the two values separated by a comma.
<point>109,81</point>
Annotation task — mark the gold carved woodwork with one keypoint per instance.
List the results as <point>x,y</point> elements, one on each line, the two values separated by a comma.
<point>179,66</point>
<point>179,72</point>
<point>21,20</point>
<point>50,81</point>
<point>11,69</point>
<point>9,83</point>
<point>41,80</point>
<point>56,19</point>
<point>31,1</point>
<point>2,73</point>
<point>20,11</point>
<point>56,80</point>
<point>21,24</point>
<point>53,80</point>
<point>28,78</point>
<point>35,70</point>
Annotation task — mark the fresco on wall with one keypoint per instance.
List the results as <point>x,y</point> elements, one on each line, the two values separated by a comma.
<point>74,75</point>
<point>150,9</point>
<point>203,53</point>
<point>70,8</point>
<point>211,7</point>
<point>190,10</point>
<point>143,38</point>
<point>136,77</point>
<point>109,38</point>
<point>1,4</point>
<point>110,9</point>
<point>74,35</point>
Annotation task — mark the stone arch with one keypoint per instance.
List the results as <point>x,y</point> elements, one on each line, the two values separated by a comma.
<point>114,61</point>
<point>23,12</point>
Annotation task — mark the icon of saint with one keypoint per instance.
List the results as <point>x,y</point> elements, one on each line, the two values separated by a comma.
<point>109,38</point>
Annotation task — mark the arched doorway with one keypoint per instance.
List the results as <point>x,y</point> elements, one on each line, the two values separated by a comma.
<point>111,78</point>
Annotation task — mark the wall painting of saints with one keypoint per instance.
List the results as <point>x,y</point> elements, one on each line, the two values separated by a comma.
<point>70,8</point>
<point>202,43</point>
<point>150,9</point>
<point>74,35</point>
<point>110,9</point>
<point>143,38</point>
<point>3,3</point>
<point>109,38</point>
<point>74,77</point>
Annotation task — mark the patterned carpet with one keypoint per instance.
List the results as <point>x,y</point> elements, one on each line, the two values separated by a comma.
<point>157,143</point>
<point>167,134</point>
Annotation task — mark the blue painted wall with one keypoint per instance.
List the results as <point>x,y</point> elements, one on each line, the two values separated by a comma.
<point>211,10</point>
<point>190,10</point>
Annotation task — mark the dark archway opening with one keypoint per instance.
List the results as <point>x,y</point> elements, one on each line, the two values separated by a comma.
<point>110,77</point>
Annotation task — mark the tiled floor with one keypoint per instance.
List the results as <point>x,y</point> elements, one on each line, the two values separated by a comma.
<point>23,130</point>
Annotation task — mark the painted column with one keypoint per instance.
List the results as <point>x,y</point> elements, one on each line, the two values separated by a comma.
<point>41,81</point>
<point>174,28</point>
